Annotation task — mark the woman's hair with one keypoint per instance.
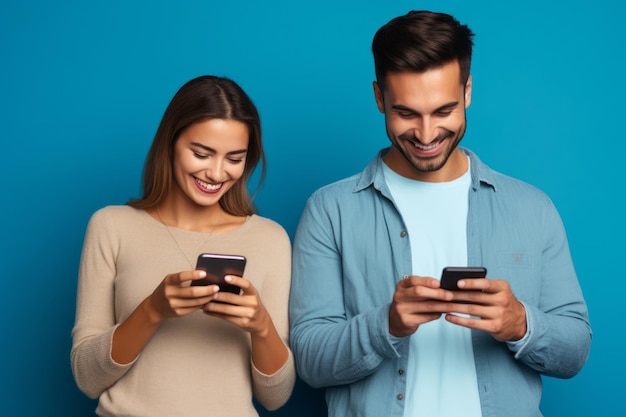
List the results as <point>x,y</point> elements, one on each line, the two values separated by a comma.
<point>419,41</point>
<point>203,98</point>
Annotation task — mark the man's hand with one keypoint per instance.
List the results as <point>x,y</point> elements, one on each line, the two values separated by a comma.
<point>492,306</point>
<point>417,300</point>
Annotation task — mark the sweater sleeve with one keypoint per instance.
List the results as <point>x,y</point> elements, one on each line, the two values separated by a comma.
<point>273,391</point>
<point>92,365</point>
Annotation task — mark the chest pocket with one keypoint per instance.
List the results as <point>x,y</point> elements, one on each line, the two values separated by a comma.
<point>522,270</point>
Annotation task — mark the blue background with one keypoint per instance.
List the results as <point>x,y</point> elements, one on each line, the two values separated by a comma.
<point>84,84</point>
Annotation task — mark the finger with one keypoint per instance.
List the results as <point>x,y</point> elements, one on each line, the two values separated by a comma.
<point>467,296</point>
<point>485,285</point>
<point>225,309</point>
<point>422,293</point>
<point>413,280</point>
<point>469,322</point>
<point>482,284</point>
<point>244,300</point>
<point>184,276</point>
<point>240,282</point>
<point>191,302</point>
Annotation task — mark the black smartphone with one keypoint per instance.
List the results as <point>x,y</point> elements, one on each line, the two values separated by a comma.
<point>452,274</point>
<point>217,267</point>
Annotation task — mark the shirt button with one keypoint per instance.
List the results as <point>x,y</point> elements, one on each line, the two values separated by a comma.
<point>403,233</point>
<point>401,371</point>
<point>400,396</point>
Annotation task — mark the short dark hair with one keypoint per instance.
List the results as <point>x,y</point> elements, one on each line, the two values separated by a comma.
<point>419,41</point>
<point>203,98</point>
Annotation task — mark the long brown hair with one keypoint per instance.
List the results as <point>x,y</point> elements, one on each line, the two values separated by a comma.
<point>203,98</point>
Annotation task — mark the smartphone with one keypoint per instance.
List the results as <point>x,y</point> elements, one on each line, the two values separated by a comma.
<point>217,267</point>
<point>452,274</point>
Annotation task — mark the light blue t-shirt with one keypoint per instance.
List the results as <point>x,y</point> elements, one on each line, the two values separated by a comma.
<point>441,359</point>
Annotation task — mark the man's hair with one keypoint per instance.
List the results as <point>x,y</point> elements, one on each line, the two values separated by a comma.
<point>420,41</point>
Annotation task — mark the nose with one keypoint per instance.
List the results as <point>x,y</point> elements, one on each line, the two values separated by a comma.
<point>425,130</point>
<point>429,130</point>
<point>215,170</point>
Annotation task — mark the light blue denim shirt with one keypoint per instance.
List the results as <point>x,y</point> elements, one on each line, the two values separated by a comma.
<point>350,250</point>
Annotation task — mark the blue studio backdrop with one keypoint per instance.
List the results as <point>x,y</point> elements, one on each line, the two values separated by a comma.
<point>84,84</point>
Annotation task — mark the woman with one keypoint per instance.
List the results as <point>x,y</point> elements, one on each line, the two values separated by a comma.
<point>148,343</point>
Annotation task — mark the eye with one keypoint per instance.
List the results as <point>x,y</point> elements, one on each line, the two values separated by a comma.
<point>443,113</point>
<point>200,155</point>
<point>235,160</point>
<point>406,115</point>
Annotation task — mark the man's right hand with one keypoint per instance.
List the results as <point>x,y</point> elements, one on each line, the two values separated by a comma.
<point>417,300</point>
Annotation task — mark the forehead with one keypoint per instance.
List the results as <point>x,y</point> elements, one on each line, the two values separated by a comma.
<point>217,133</point>
<point>430,88</point>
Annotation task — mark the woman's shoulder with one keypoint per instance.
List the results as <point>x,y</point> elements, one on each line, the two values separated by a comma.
<point>119,214</point>
<point>266,227</point>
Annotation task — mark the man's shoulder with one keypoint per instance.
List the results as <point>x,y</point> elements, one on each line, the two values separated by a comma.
<point>502,183</point>
<point>515,186</point>
<point>339,187</point>
<point>350,187</point>
<point>514,190</point>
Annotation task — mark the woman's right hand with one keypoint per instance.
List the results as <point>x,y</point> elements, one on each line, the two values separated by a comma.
<point>175,297</point>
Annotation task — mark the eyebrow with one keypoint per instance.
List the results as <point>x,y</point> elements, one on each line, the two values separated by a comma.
<point>209,149</point>
<point>447,106</point>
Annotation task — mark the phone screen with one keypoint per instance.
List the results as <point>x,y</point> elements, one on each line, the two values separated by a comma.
<point>452,274</point>
<point>217,267</point>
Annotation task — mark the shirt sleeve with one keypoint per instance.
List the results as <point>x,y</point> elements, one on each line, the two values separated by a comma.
<point>330,347</point>
<point>558,337</point>
<point>92,365</point>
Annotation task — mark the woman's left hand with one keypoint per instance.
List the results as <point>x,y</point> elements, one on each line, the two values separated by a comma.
<point>244,310</point>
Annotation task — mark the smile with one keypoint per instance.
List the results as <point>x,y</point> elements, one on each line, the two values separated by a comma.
<point>211,188</point>
<point>425,147</point>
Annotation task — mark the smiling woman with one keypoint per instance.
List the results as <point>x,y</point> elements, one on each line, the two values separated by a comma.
<point>209,157</point>
<point>140,328</point>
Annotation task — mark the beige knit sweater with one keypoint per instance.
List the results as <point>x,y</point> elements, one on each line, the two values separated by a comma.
<point>195,365</point>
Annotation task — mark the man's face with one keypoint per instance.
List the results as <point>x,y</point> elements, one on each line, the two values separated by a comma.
<point>425,120</point>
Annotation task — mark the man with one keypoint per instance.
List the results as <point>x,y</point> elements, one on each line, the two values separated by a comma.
<point>368,317</point>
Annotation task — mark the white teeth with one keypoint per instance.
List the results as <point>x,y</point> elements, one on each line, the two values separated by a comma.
<point>208,186</point>
<point>425,148</point>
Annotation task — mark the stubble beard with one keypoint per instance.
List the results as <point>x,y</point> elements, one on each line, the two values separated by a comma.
<point>428,165</point>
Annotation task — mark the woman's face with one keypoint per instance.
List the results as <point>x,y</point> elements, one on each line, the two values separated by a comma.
<point>209,158</point>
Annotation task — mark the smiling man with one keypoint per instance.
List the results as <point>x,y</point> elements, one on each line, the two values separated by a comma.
<point>369,319</point>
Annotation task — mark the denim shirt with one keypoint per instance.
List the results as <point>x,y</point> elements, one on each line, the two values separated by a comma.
<point>351,248</point>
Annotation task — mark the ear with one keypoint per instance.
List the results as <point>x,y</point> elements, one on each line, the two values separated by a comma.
<point>468,92</point>
<point>378,95</point>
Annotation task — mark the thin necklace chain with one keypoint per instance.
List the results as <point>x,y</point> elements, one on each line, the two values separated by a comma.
<point>180,248</point>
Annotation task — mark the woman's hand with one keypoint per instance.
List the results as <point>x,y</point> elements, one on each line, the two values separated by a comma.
<point>247,312</point>
<point>175,297</point>
<point>244,310</point>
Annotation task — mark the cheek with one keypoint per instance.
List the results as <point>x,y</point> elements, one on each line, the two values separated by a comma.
<point>456,122</point>
<point>397,127</point>
<point>236,171</point>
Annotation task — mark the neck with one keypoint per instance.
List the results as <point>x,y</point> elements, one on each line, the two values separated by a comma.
<point>197,219</point>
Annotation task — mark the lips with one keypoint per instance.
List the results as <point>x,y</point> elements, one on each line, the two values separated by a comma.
<point>427,150</point>
<point>208,187</point>
<point>425,147</point>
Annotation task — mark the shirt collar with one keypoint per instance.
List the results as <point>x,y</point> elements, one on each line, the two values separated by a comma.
<point>373,173</point>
